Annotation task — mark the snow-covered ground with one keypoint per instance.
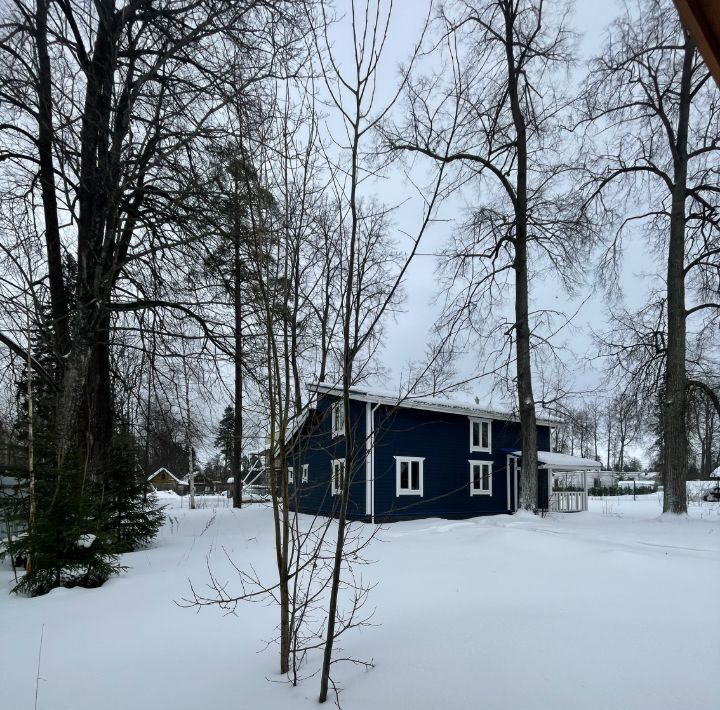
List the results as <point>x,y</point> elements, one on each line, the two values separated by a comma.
<point>614,608</point>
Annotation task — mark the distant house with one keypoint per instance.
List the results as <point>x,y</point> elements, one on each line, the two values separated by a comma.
<point>639,475</point>
<point>165,480</point>
<point>416,458</point>
<point>598,479</point>
<point>203,484</point>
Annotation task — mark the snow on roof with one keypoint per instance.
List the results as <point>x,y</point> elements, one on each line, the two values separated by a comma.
<point>564,462</point>
<point>295,423</point>
<point>432,404</point>
<point>715,473</point>
<point>162,469</point>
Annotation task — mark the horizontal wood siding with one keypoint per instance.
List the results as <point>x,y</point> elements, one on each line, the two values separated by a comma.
<point>164,482</point>
<point>443,440</point>
<point>317,447</point>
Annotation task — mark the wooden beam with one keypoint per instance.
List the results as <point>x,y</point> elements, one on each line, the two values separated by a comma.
<point>702,20</point>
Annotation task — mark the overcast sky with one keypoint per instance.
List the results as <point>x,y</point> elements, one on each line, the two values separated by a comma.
<point>406,338</point>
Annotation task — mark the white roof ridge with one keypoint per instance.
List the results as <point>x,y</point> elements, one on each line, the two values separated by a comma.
<point>411,401</point>
<point>167,470</point>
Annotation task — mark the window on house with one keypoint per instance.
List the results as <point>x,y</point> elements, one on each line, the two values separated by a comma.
<point>305,472</point>
<point>338,474</point>
<point>291,474</point>
<point>480,478</point>
<point>409,475</point>
<point>338,419</point>
<point>480,435</point>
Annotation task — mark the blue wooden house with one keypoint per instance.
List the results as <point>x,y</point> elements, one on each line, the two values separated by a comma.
<point>412,459</point>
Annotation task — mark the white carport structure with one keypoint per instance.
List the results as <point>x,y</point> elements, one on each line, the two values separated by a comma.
<point>566,501</point>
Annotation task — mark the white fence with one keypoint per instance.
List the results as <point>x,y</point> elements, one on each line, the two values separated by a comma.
<point>568,501</point>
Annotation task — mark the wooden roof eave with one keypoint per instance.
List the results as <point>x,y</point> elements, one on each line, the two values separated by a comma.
<point>702,20</point>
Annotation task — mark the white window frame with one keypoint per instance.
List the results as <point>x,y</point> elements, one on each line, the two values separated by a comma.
<point>337,415</point>
<point>333,464</point>
<point>291,474</point>
<point>305,473</point>
<point>483,464</point>
<point>513,466</point>
<point>409,460</point>
<point>479,447</point>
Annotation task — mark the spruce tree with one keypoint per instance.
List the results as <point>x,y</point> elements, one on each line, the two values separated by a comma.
<point>80,524</point>
<point>224,441</point>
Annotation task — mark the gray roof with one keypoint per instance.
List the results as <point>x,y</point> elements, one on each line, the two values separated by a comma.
<point>431,404</point>
<point>564,462</point>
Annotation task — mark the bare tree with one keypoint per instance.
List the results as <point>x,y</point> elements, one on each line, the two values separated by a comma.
<point>102,102</point>
<point>705,419</point>
<point>493,115</point>
<point>369,282</point>
<point>658,115</point>
<point>105,109</point>
<point>272,204</point>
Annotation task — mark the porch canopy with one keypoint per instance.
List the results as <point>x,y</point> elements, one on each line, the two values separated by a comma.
<point>563,462</point>
<point>563,498</point>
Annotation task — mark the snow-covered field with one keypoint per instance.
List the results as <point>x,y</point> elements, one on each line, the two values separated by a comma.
<point>614,608</point>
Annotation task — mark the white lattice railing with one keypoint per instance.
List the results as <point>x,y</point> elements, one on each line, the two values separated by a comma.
<point>568,501</point>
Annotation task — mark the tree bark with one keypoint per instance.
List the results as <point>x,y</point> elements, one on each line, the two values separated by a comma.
<point>237,362</point>
<point>348,359</point>
<point>58,297</point>
<point>526,400</point>
<point>675,405</point>
<point>30,456</point>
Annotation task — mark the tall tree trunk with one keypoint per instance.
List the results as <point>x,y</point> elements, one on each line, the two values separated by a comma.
<point>30,453</point>
<point>148,404</point>
<point>609,438</point>
<point>68,427</point>
<point>706,439</point>
<point>675,405</point>
<point>595,434</point>
<point>97,408</point>
<point>188,437</point>
<point>237,362</point>
<point>87,365</point>
<point>58,296</point>
<point>526,400</point>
